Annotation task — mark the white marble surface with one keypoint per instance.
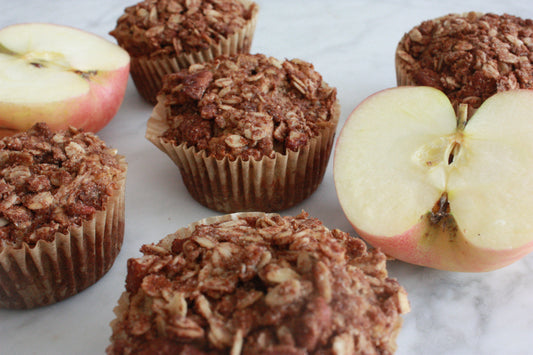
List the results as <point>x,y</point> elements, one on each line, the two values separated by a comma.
<point>351,43</point>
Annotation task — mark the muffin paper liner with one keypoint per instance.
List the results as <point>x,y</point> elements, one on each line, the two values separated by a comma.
<point>403,77</point>
<point>267,185</point>
<point>148,72</point>
<point>52,271</point>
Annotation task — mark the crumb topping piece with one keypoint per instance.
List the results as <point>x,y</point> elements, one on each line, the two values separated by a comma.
<point>471,57</point>
<point>247,106</point>
<point>50,181</point>
<point>159,27</point>
<point>259,285</point>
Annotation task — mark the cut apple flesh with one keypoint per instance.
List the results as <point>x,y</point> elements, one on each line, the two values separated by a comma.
<point>15,72</point>
<point>59,75</point>
<point>403,162</point>
<point>42,63</point>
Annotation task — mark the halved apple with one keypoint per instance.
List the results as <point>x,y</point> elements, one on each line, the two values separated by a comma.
<point>59,75</point>
<point>435,190</point>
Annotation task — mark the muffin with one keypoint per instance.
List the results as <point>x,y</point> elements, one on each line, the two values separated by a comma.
<point>256,283</point>
<point>164,36</point>
<point>248,132</point>
<point>61,214</point>
<point>469,57</point>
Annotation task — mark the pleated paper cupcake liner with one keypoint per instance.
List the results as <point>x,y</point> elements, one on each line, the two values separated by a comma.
<point>53,270</point>
<point>267,185</point>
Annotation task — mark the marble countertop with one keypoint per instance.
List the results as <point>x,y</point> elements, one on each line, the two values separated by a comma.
<point>351,43</point>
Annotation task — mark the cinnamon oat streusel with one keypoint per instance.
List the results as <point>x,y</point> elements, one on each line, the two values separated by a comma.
<point>470,57</point>
<point>247,105</point>
<point>258,284</point>
<point>156,27</point>
<point>61,214</point>
<point>248,132</point>
<point>163,36</point>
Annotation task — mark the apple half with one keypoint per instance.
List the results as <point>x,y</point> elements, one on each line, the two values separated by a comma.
<point>59,75</point>
<point>431,188</point>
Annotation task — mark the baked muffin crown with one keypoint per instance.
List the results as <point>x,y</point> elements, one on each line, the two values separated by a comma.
<point>51,181</point>
<point>253,283</point>
<point>158,27</point>
<point>248,105</point>
<point>468,56</point>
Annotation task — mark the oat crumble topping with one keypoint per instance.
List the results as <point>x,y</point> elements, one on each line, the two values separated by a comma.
<point>471,57</point>
<point>159,27</point>
<point>247,106</point>
<point>50,181</point>
<point>259,285</point>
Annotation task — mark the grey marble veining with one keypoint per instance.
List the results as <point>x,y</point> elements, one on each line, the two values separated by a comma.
<point>454,313</point>
<point>351,43</point>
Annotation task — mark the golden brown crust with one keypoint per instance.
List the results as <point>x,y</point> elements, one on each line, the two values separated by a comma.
<point>258,283</point>
<point>470,57</point>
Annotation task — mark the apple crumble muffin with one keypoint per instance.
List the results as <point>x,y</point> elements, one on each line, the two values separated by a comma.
<point>61,214</point>
<point>261,128</point>
<point>254,283</point>
<point>163,36</point>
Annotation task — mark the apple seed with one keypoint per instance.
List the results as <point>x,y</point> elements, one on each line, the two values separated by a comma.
<point>86,74</point>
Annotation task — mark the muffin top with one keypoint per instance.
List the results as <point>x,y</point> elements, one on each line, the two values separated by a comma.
<point>159,27</point>
<point>51,181</point>
<point>258,283</point>
<point>470,57</point>
<point>247,105</point>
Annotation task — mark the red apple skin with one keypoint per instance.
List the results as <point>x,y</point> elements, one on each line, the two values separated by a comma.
<point>444,248</point>
<point>90,112</point>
